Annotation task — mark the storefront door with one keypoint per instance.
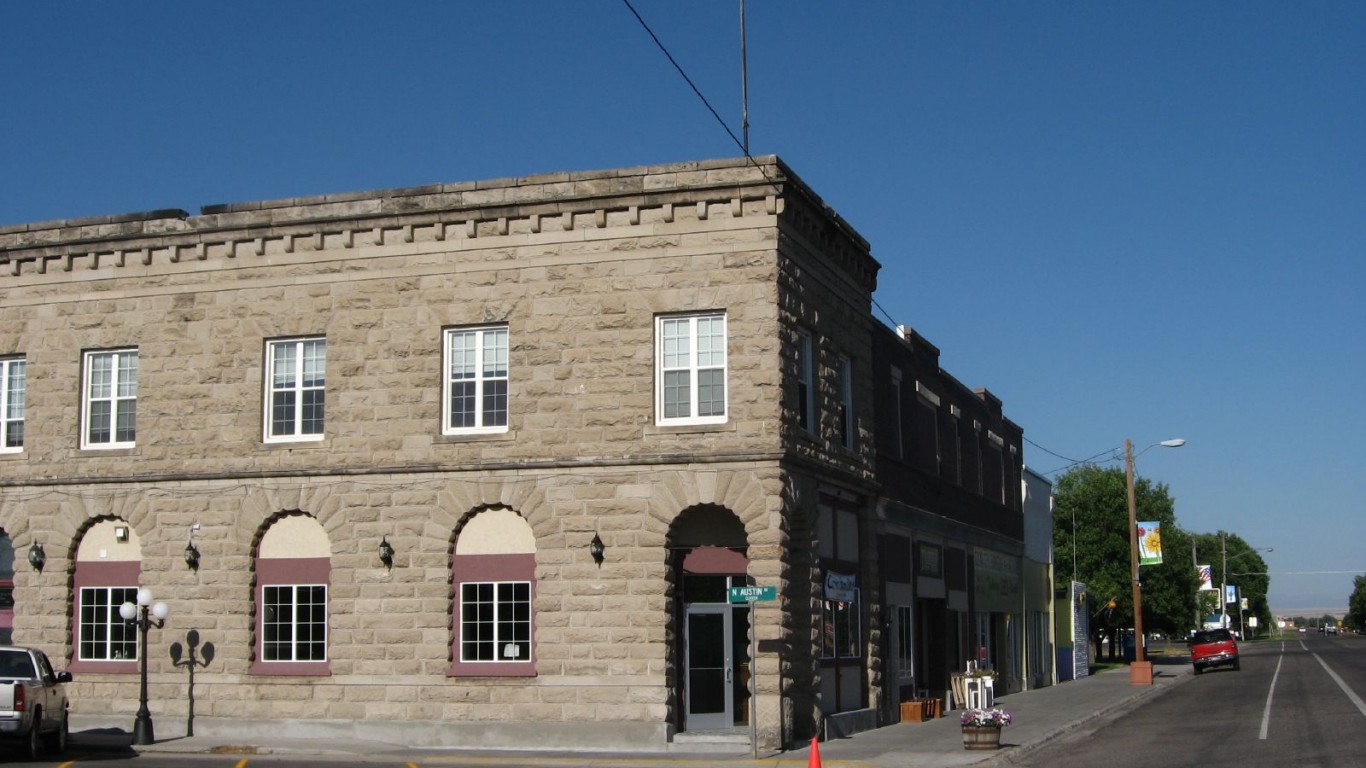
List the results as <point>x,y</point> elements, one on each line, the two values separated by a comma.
<point>710,667</point>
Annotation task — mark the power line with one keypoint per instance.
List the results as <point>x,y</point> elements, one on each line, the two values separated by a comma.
<point>743,146</point>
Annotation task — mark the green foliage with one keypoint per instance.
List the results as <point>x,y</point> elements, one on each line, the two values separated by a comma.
<point>1356,605</point>
<point>1091,534</point>
<point>1246,569</point>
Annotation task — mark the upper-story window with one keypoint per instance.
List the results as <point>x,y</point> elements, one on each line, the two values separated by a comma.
<point>806,389</point>
<point>12,386</point>
<point>691,355</point>
<point>476,381</point>
<point>846,401</point>
<point>296,394</point>
<point>927,428</point>
<point>111,399</point>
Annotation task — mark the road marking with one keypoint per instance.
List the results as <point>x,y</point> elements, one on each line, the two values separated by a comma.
<point>1361,706</point>
<point>1266,712</point>
<point>241,763</point>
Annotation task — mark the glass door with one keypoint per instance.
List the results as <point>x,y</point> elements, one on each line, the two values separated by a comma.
<point>710,671</point>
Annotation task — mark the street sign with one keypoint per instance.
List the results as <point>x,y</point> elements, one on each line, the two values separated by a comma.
<point>752,594</point>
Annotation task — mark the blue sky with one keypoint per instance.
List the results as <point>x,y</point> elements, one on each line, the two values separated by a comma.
<point>1127,220</point>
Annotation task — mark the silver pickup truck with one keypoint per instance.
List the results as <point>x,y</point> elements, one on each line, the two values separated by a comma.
<point>33,705</point>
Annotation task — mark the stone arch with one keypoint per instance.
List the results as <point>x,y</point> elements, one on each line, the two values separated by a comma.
<point>281,559</point>
<point>492,556</point>
<point>106,554</point>
<point>707,547</point>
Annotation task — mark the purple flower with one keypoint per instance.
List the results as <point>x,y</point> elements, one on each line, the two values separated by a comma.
<point>995,717</point>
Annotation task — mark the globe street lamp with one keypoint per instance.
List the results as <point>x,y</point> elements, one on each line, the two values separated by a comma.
<point>1141,670</point>
<point>144,615</point>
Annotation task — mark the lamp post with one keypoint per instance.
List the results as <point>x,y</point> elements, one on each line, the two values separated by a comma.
<point>143,616</point>
<point>1141,670</point>
<point>1223,597</point>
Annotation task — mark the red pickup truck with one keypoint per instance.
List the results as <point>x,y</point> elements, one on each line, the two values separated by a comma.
<point>1213,648</point>
<point>33,705</point>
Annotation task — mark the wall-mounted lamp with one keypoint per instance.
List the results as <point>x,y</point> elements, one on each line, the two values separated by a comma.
<point>120,533</point>
<point>596,549</point>
<point>191,551</point>
<point>37,557</point>
<point>386,552</point>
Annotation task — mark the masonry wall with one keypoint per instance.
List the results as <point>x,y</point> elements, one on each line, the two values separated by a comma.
<point>578,266</point>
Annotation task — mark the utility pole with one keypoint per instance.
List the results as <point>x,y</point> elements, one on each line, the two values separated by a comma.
<point>744,79</point>
<point>1223,590</point>
<point>1195,561</point>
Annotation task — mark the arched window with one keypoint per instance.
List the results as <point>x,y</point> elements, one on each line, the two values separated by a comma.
<point>293,571</point>
<point>494,567</point>
<point>108,568</point>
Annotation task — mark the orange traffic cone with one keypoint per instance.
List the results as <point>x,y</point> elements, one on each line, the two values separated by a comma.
<point>814,761</point>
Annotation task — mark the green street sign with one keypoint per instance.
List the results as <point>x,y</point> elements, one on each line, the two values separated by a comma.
<point>752,594</point>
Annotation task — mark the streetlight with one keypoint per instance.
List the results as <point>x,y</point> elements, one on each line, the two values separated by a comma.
<point>139,616</point>
<point>1141,670</point>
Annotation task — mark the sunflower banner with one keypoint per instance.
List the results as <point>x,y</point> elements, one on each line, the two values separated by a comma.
<point>1149,544</point>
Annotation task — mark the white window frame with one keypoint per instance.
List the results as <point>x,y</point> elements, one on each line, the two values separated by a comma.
<point>905,642</point>
<point>505,648</point>
<point>119,635</point>
<point>806,382</point>
<point>13,387</point>
<point>489,370</point>
<point>294,623</point>
<point>672,360</point>
<point>296,387</point>
<point>121,389</point>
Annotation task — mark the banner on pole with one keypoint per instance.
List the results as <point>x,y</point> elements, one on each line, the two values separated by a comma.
<point>1206,574</point>
<point>1149,544</point>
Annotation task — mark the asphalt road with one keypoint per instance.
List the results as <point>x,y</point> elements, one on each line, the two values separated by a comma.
<point>1295,702</point>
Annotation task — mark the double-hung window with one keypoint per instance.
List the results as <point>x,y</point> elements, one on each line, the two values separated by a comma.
<point>296,392</point>
<point>691,364</point>
<point>104,635</point>
<point>12,386</point>
<point>111,399</point>
<point>475,386</point>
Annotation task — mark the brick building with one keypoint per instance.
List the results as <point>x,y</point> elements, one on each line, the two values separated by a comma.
<point>458,464</point>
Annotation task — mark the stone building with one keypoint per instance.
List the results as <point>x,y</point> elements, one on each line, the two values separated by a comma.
<point>458,464</point>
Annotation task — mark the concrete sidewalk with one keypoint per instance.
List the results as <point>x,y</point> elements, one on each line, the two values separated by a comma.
<point>1039,717</point>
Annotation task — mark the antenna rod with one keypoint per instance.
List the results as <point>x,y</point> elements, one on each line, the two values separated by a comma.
<point>744,80</point>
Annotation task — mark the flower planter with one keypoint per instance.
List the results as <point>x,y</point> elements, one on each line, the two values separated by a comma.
<point>913,711</point>
<point>981,737</point>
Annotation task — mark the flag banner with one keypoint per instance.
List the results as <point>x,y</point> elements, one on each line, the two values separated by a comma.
<point>1206,574</point>
<point>1149,544</point>
<point>1231,594</point>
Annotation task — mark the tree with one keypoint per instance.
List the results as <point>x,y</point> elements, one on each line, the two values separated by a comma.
<point>1246,570</point>
<point>1356,605</point>
<point>1091,534</point>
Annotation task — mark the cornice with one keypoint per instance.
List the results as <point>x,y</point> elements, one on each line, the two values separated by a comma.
<point>534,204</point>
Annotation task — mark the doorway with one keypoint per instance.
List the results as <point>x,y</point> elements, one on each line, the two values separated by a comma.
<point>710,667</point>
